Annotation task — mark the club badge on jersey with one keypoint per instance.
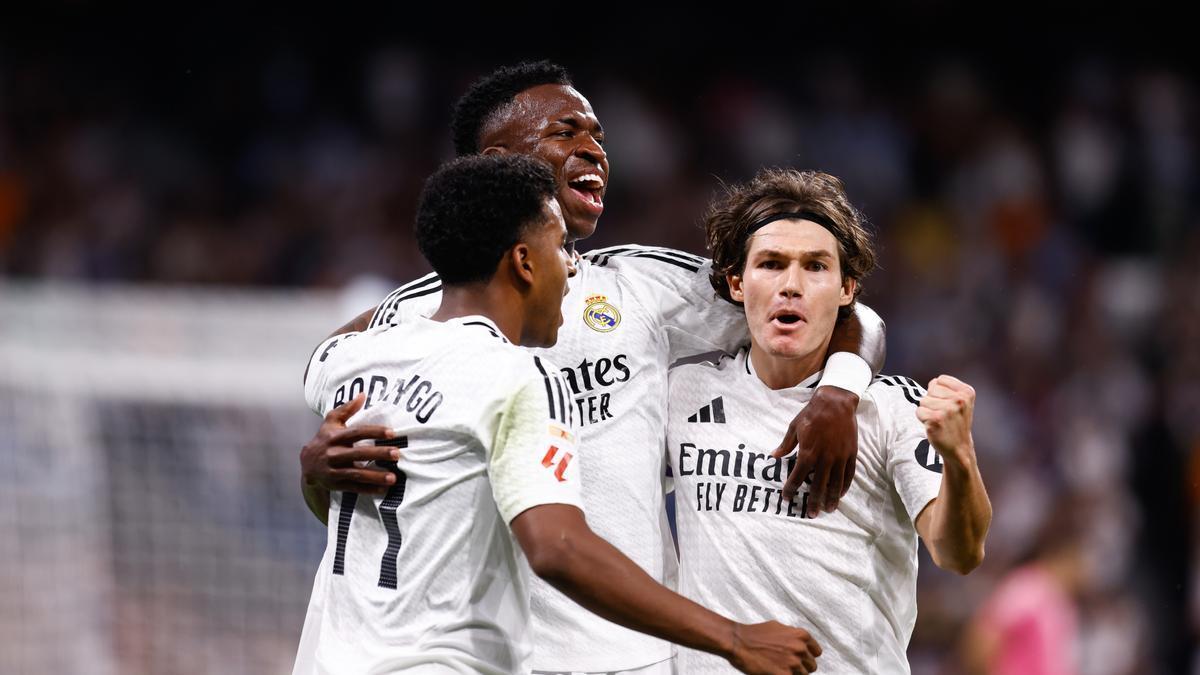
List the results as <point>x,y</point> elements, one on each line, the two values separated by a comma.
<point>600,315</point>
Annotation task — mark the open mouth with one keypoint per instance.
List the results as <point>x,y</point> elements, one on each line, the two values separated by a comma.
<point>787,318</point>
<point>589,189</point>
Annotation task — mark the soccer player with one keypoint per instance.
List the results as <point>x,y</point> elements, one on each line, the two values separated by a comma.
<point>426,578</point>
<point>790,248</point>
<point>630,312</point>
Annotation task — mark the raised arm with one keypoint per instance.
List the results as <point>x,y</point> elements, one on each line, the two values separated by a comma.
<point>825,430</point>
<point>564,551</point>
<point>955,524</point>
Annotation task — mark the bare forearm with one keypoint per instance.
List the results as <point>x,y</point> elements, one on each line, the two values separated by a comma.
<point>861,332</point>
<point>317,499</point>
<point>960,516</point>
<point>567,554</point>
<point>599,577</point>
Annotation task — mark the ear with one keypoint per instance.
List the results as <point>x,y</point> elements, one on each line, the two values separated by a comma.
<point>735,287</point>
<point>494,150</point>
<point>848,287</point>
<point>522,262</point>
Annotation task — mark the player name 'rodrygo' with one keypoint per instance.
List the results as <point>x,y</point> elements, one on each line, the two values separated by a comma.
<point>418,394</point>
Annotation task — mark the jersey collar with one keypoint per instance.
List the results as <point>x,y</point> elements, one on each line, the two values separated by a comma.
<point>480,323</point>
<point>747,367</point>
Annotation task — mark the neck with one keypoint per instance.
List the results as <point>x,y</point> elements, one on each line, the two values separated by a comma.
<point>491,300</point>
<point>779,372</point>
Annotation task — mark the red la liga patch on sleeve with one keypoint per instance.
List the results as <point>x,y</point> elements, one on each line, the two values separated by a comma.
<point>548,460</point>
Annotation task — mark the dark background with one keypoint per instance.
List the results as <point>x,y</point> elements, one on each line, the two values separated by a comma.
<point>1032,175</point>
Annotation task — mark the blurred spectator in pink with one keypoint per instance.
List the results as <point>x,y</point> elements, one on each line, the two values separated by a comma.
<point>1029,625</point>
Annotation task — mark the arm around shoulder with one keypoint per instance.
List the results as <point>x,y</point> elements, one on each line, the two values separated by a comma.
<point>862,333</point>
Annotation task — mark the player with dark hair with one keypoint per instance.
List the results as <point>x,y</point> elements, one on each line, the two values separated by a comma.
<point>630,312</point>
<point>426,577</point>
<point>485,97</point>
<point>494,114</point>
<point>790,248</point>
<point>469,214</point>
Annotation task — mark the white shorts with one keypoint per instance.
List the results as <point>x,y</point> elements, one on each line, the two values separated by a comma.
<point>666,667</point>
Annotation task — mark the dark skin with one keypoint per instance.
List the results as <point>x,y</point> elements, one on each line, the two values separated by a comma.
<point>556,124</point>
<point>332,453</point>
<point>564,551</point>
<point>826,433</point>
<point>826,430</point>
<point>523,299</point>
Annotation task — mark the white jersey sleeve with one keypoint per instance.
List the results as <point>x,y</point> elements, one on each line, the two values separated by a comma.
<point>414,299</point>
<point>531,462</point>
<point>675,286</point>
<point>485,433</point>
<point>318,372</point>
<point>912,463</point>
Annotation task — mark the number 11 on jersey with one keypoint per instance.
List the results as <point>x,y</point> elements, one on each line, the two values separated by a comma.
<point>387,512</point>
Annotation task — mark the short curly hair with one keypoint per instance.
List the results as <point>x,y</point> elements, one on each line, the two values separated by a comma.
<point>773,192</point>
<point>476,208</point>
<point>488,95</point>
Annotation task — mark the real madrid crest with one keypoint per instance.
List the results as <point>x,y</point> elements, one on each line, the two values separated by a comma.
<point>600,315</point>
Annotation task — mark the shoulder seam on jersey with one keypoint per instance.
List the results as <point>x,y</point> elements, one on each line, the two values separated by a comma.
<point>423,281</point>
<point>390,312</point>
<point>397,296</point>
<point>662,258</point>
<point>487,328</point>
<point>914,396</point>
<point>418,293</point>
<point>634,249</point>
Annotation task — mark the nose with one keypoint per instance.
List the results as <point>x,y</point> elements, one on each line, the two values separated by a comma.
<point>591,150</point>
<point>571,270</point>
<point>793,282</point>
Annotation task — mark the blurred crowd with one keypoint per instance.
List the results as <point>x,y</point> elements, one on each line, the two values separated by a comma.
<point>1040,239</point>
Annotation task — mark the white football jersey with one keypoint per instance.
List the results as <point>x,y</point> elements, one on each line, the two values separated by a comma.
<point>429,578</point>
<point>848,577</point>
<point>630,313</point>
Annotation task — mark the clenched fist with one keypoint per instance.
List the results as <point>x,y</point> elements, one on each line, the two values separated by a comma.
<point>771,648</point>
<point>946,411</point>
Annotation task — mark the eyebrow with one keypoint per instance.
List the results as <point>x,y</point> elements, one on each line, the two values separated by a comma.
<point>574,123</point>
<point>819,253</point>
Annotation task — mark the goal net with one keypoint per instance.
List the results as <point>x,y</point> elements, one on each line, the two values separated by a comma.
<point>152,520</point>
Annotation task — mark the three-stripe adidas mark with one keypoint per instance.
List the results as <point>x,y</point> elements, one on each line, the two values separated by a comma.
<point>713,412</point>
<point>687,261</point>
<point>912,391</point>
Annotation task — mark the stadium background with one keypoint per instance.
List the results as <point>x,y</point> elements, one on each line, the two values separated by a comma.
<point>186,209</point>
